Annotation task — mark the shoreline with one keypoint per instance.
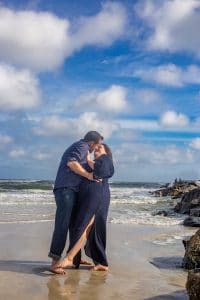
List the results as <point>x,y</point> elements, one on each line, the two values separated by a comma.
<point>139,267</point>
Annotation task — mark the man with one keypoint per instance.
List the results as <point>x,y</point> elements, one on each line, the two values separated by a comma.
<point>65,191</point>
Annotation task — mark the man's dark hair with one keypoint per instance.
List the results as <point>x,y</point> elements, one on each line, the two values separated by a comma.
<point>93,136</point>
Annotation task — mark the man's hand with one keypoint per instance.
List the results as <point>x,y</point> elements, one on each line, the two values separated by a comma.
<point>90,176</point>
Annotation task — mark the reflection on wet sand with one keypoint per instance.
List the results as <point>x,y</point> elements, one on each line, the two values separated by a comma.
<point>73,286</point>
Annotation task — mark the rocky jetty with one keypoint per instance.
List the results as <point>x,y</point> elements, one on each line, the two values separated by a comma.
<point>177,189</point>
<point>190,205</point>
<point>189,193</point>
<point>189,201</point>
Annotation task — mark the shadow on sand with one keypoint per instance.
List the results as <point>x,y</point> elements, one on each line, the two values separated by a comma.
<point>40,268</point>
<point>179,295</point>
<point>171,263</point>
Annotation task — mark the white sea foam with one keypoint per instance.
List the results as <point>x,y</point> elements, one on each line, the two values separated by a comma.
<point>129,205</point>
<point>139,201</point>
<point>172,238</point>
<point>26,222</point>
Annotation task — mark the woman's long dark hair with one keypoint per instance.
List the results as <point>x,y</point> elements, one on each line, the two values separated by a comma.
<point>108,151</point>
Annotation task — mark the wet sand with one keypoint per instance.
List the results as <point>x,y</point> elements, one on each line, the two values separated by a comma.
<point>139,268</point>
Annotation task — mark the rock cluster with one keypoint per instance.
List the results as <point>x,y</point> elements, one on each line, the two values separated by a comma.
<point>191,262</point>
<point>191,259</point>
<point>176,189</point>
<point>189,192</point>
<point>193,284</point>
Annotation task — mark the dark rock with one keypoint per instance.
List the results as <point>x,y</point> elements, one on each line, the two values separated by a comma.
<point>162,192</point>
<point>163,213</point>
<point>195,212</point>
<point>186,242</point>
<point>176,189</point>
<point>191,259</point>
<point>193,284</point>
<point>192,221</point>
<point>189,201</point>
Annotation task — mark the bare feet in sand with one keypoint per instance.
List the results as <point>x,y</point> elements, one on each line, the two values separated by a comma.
<point>85,262</point>
<point>66,262</point>
<point>99,268</point>
<point>56,269</point>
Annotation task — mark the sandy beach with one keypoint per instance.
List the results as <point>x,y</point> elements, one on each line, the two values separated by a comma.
<point>140,266</point>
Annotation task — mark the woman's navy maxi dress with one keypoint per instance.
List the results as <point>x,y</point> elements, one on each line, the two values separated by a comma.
<point>94,199</point>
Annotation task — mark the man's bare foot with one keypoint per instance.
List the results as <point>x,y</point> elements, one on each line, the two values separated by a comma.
<point>66,262</point>
<point>99,268</point>
<point>85,262</point>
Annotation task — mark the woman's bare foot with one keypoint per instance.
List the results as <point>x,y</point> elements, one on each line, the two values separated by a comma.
<point>85,262</point>
<point>66,262</point>
<point>56,269</point>
<point>99,268</point>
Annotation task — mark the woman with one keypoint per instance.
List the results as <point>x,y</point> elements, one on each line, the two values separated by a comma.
<point>92,210</point>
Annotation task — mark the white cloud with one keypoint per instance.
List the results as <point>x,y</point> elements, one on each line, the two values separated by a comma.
<point>148,154</point>
<point>42,156</point>
<point>5,139</point>
<point>170,75</point>
<point>174,119</point>
<point>195,144</point>
<point>139,124</point>
<point>15,153</point>
<point>147,96</point>
<point>75,127</point>
<point>19,89</point>
<point>103,28</point>
<point>111,100</point>
<point>41,41</point>
<point>37,40</point>
<point>174,24</point>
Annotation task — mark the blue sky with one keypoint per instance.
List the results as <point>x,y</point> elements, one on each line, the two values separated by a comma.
<point>129,69</point>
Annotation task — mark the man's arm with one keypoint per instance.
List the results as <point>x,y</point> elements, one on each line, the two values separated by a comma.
<point>78,169</point>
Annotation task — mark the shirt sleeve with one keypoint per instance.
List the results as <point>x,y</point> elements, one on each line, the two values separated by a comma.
<point>78,154</point>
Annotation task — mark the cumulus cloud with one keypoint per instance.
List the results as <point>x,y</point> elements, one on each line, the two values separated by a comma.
<point>111,100</point>
<point>41,40</point>
<point>170,75</point>
<point>18,152</point>
<point>153,155</point>
<point>103,28</point>
<point>147,96</point>
<point>174,119</point>
<point>42,156</point>
<point>75,127</point>
<point>195,144</point>
<point>19,89</point>
<point>36,40</point>
<point>5,140</point>
<point>174,24</point>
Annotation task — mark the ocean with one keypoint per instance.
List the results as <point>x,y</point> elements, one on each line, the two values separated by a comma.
<point>28,201</point>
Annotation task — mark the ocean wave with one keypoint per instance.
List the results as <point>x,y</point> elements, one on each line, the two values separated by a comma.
<point>135,201</point>
<point>156,221</point>
<point>26,221</point>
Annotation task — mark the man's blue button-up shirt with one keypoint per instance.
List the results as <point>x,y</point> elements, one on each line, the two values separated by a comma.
<point>65,177</point>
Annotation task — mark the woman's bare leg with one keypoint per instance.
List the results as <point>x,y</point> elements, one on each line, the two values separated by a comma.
<point>68,260</point>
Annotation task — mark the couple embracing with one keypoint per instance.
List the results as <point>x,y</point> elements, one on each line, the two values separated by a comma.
<point>82,198</point>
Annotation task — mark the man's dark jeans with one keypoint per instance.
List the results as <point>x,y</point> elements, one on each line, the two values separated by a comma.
<point>65,201</point>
